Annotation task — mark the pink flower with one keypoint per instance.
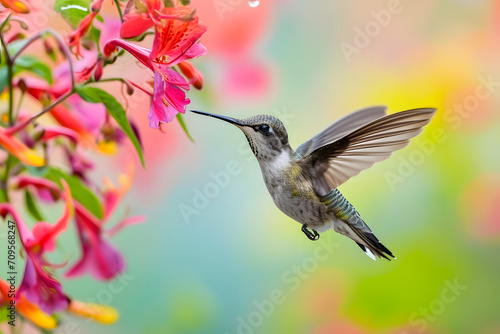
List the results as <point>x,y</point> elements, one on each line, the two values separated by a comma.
<point>88,121</point>
<point>175,41</point>
<point>82,117</point>
<point>79,164</point>
<point>103,260</point>
<point>38,285</point>
<point>51,132</point>
<point>75,36</point>
<point>46,190</point>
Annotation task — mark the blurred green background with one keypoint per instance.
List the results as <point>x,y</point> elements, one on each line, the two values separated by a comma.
<point>228,261</point>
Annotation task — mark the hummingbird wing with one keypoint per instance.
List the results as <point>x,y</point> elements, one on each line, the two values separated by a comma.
<point>337,162</point>
<point>340,128</point>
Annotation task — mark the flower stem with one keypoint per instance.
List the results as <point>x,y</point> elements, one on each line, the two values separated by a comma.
<point>128,83</point>
<point>4,23</point>
<point>3,186</point>
<point>3,181</point>
<point>117,3</point>
<point>10,74</point>
<point>62,98</point>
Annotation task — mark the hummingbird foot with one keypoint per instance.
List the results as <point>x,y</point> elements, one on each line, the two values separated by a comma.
<point>311,235</point>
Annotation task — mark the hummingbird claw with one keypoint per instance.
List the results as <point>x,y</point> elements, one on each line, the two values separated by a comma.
<point>311,235</point>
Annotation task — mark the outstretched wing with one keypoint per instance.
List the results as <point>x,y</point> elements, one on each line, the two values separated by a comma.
<point>340,128</point>
<point>338,161</point>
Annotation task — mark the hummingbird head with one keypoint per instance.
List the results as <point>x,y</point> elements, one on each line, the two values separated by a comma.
<point>266,134</point>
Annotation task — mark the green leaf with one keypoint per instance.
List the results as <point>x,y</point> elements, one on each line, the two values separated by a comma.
<point>33,64</point>
<point>31,206</point>
<point>26,63</point>
<point>79,191</point>
<point>73,11</point>
<point>11,162</point>
<point>184,127</point>
<point>115,109</point>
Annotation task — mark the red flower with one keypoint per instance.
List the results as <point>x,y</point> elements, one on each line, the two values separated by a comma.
<point>84,26</point>
<point>175,41</point>
<point>194,76</point>
<point>146,13</point>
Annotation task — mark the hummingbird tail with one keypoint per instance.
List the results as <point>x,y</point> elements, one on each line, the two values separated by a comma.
<point>349,223</point>
<point>370,244</point>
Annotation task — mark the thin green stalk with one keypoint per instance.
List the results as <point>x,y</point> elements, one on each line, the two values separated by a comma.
<point>10,75</point>
<point>111,79</point>
<point>117,3</point>
<point>4,23</point>
<point>8,167</point>
<point>67,54</point>
<point>4,187</point>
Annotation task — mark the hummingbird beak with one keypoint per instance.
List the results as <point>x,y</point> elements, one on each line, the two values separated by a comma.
<point>224,118</point>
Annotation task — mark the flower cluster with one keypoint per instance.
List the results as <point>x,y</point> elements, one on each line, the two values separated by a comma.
<point>44,159</point>
<point>177,35</point>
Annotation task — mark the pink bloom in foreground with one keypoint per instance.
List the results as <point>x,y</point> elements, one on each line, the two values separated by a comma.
<point>38,285</point>
<point>103,260</point>
<point>99,257</point>
<point>175,41</point>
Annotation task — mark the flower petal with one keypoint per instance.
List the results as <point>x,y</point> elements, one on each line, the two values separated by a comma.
<point>16,5</point>
<point>68,119</point>
<point>99,257</point>
<point>158,109</point>
<point>40,287</point>
<point>52,132</point>
<point>24,233</point>
<point>135,25</point>
<point>174,39</point>
<point>103,314</point>
<point>112,195</point>
<point>45,233</point>
<point>195,51</point>
<point>27,309</point>
<point>142,54</point>
<point>176,98</point>
<point>33,313</point>
<point>194,76</point>
<point>18,149</point>
<point>124,223</point>
<point>46,190</point>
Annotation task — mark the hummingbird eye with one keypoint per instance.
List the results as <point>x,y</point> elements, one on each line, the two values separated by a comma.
<point>264,128</point>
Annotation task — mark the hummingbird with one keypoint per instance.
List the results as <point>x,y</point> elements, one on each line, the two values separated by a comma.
<point>303,183</point>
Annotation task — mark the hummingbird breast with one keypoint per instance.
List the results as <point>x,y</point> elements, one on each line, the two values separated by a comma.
<point>292,191</point>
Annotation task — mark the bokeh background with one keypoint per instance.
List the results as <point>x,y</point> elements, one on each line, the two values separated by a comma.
<point>216,255</point>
